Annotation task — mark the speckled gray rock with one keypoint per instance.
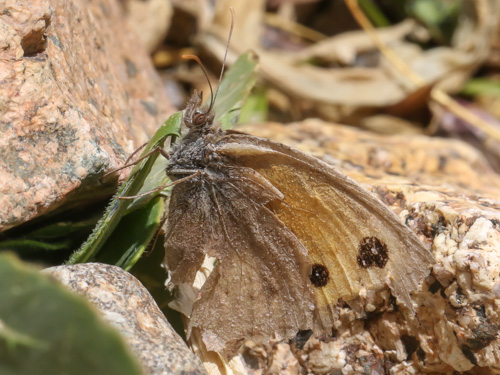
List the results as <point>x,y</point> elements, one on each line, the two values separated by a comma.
<point>76,87</point>
<point>127,305</point>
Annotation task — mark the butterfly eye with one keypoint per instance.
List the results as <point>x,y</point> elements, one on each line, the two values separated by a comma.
<point>372,253</point>
<point>319,275</point>
<point>199,118</point>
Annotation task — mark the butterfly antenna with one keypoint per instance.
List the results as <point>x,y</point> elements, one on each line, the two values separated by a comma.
<point>225,56</point>
<point>195,58</point>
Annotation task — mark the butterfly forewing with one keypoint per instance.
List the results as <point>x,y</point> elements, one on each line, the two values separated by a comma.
<point>345,229</point>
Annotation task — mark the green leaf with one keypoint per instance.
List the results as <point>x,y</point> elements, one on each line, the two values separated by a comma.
<point>124,250</point>
<point>46,329</point>
<point>373,12</point>
<point>255,109</point>
<point>13,338</point>
<point>62,229</point>
<point>46,236</point>
<point>482,86</point>
<point>27,245</point>
<point>156,177</point>
<point>234,88</point>
<point>440,17</point>
<point>131,186</point>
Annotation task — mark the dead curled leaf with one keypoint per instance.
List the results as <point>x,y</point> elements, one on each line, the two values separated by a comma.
<point>344,48</point>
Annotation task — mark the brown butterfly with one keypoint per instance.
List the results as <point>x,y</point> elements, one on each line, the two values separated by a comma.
<point>291,235</point>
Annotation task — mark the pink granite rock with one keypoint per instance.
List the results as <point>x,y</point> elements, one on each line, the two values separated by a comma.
<point>76,87</point>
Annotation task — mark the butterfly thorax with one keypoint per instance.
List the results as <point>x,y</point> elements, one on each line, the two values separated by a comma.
<point>196,150</point>
<point>191,155</point>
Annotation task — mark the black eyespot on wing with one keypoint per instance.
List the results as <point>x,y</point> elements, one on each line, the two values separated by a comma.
<point>372,253</point>
<point>319,275</point>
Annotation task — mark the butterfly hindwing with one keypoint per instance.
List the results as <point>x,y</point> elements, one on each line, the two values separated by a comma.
<point>256,288</point>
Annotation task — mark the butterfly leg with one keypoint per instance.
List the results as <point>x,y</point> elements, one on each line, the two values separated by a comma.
<point>160,188</point>
<point>155,150</point>
<point>135,152</point>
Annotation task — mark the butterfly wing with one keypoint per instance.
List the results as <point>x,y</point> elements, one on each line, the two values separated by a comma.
<point>358,240</point>
<point>259,285</point>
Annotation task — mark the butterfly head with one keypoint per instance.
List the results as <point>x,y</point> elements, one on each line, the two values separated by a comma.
<point>196,117</point>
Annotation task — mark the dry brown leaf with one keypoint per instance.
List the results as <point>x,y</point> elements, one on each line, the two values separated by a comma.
<point>344,48</point>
